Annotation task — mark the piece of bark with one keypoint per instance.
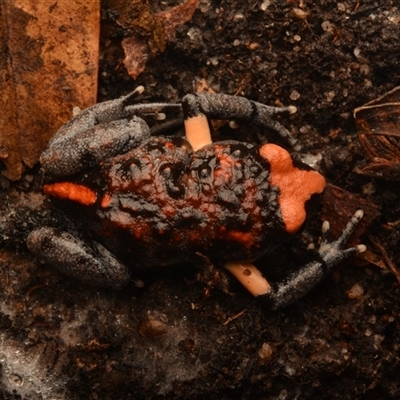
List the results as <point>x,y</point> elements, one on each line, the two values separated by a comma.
<point>49,66</point>
<point>138,49</point>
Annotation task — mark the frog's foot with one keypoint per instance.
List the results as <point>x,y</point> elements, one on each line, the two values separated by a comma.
<point>198,107</point>
<point>73,257</point>
<point>302,281</point>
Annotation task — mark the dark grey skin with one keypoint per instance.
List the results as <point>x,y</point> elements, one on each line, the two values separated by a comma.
<point>114,127</point>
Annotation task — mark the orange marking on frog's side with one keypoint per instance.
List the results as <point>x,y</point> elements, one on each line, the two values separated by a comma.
<point>245,238</point>
<point>71,191</point>
<point>296,186</point>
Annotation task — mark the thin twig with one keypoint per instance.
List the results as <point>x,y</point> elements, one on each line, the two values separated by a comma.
<point>229,320</point>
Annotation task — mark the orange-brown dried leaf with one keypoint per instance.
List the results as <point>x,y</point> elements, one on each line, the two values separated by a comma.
<point>50,58</point>
<point>9,137</point>
<point>137,52</point>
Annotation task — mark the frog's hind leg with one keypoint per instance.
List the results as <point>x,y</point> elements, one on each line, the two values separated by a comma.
<point>222,106</point>
<point>302,281</point>
<point>89,263</point>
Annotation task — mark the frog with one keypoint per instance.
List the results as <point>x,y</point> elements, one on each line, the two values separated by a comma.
<point>147,200</point>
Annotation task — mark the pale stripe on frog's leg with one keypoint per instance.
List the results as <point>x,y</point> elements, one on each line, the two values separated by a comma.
<point>197,131</point>
<point>250,277</point>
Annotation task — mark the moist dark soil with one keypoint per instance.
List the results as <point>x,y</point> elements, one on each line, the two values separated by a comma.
<point>183,335</point>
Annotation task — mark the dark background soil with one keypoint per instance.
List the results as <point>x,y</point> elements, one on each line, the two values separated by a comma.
<point>176,338</point>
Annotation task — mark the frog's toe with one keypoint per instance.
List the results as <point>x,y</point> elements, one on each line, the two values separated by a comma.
<point>332,253</point>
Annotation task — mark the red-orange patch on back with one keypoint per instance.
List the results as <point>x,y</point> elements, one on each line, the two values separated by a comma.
<point>296,186</point>
<point>106,201</point>
<point>244,238</point>
<point>71,191</point>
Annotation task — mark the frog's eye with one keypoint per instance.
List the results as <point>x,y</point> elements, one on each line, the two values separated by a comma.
<point>296,186</point>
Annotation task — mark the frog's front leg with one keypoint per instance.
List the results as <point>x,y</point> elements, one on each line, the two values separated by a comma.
<point>302,281</point>
<point>198,107</point>
<point>98,133</point>
<point>93,263</point>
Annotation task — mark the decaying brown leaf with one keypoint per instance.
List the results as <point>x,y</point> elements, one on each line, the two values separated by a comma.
<point>138,48</point>
<point>137,52</point>
<point>48,66</point>
<point>177,16</point>
<point>134,18</point>
<point>340,205</point>
<point>378,123</point>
